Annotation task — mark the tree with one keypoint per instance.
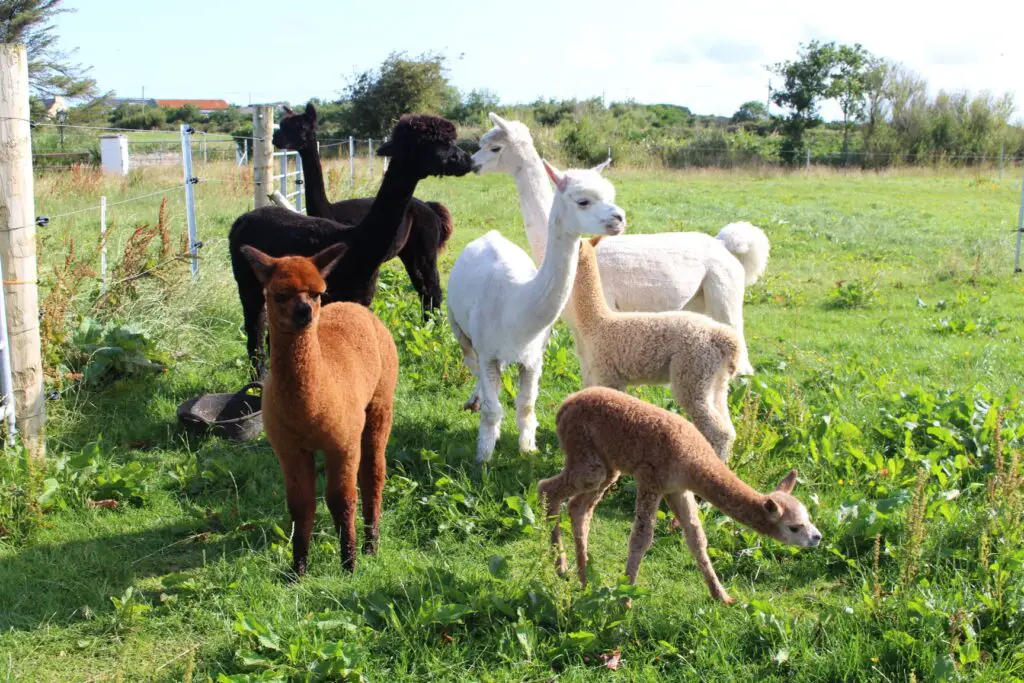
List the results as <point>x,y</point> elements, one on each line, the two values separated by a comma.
<point>750,111</point>
<point>50,71</point>
<point>378,97</point>
<point>806,82</point>
<point>473,107</point>
<point>848,83</point>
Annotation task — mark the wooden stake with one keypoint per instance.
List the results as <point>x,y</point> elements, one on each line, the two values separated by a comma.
<point>262,154</point>
<point>18,249</point>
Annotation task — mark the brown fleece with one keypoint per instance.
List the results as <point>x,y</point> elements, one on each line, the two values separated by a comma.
<point>689,351</point>
<point>331,389</point>
<point>605,433</point>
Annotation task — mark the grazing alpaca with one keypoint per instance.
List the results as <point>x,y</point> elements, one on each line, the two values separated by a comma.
<point>605,433</point>
<point>689,351</point>
<point>641,272</point>
<point>331,389</point>
<point>501,307</point>
<point>419,146</point>
<point>426,227</point>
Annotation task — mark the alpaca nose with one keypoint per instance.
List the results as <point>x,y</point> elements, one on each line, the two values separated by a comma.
<point>302,315</point>
<point>816,538</point>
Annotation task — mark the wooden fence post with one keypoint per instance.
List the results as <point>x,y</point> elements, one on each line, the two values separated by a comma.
<point>18,249</point>
<point>262,154</point>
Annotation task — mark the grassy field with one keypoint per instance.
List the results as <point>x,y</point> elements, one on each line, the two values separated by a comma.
<point>886,336</point>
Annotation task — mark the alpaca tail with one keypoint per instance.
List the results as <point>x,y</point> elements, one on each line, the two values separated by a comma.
<point>447,226</point>
<point>749,245</point>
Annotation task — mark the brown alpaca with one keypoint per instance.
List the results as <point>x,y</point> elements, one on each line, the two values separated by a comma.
<point>331,389</point>
<point>605,433</point>
<point>696,355</point>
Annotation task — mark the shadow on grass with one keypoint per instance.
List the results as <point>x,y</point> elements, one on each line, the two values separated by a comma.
<point>59,583</point>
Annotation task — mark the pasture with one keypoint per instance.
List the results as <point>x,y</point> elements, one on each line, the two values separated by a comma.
<point>886,336</point>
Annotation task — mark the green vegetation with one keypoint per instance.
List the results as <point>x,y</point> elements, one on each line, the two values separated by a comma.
<point>886,336</point>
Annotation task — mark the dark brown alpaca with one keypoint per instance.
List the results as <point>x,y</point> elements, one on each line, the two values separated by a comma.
<point>331,389</point>
<point>424,231</point>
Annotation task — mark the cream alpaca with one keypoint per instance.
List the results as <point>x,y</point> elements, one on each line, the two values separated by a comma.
<point>605,433</point>
<point>501,307</point>
<point>670,271</point>
<point>694,354</point>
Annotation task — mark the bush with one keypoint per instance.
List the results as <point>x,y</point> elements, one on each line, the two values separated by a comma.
<point>582,143</point>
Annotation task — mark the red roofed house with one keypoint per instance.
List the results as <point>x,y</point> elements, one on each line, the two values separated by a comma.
<point>205,106</point>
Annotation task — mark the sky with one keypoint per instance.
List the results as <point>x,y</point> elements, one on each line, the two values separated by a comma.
<point>708,56</point>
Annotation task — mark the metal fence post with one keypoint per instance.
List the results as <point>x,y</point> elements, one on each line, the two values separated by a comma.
<point>352,160</point>
<point>284,173</point>
<point>103,244</point>
<point>190,198</point>
<point>370,155</point>
<point>1020,229</point>
<point>6,378</point>
<point>299,182</point>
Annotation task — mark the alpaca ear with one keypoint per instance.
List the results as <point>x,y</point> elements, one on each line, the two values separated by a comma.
<point>787,483</point>
<point>603,165</point>
<point>774,510</point>
<point>326,260</point>
<point>287,110</point>
<point>498,121</point>
<point>557,178</point>
<point>262,264</point>
<point>310,112</point>
<point>386,149</point>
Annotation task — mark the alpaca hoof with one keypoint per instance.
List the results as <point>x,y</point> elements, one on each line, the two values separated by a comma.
<point>726,599</point>
<point>528,445</point>
<point>561,566</point>
<point>745,369</point>
<point>675,525</point>
<point>627,603</point>
<point>472,405</point>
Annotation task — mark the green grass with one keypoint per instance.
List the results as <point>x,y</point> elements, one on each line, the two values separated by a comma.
<point>886,336</point>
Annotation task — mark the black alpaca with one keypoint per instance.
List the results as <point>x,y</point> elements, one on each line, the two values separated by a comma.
<point>419,146</point>
<point>425,230</point>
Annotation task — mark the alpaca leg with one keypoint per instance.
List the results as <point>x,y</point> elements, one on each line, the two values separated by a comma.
<point>471,361</point>
<point>342,470</point>
<point>724,303</point>
<point>552,492</point>
<point>699,401</point>
<point>643,530</point>
<point>490,409</point>
<point>526,416</point>
<point>685,509</point>
<point>373,468</point>
<point>254,315</point>
<point>424,278</point>
<point>581,511</point>
<point>300,490</point>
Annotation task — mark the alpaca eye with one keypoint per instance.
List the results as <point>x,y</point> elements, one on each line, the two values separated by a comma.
<point>495,149</point>
<point>796,528</point>
<point>583,203</point>
<point>314,295</point>
<point>281,298</point>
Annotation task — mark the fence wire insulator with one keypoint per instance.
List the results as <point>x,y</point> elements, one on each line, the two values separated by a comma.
<point>298,181</point>
<point>190,130</point>
<point>198,245</point>
<point>42,221</point>
<point>193,180</point>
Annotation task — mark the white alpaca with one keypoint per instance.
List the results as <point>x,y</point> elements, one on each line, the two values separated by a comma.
<point>501,307</point>
<point>670,271</point>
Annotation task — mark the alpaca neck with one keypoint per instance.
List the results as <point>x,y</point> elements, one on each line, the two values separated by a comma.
<point>378,228</point>
<point>295,363</point>
<point>720,486</point>
<point>588,302</point>
<point>317,203</point>
<point>546,294</point>
<point>535,197</point>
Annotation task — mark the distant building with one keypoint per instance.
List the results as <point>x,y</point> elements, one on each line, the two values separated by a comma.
<point>204,106</point>
<point>52,105</point>
<point>116,102</point>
